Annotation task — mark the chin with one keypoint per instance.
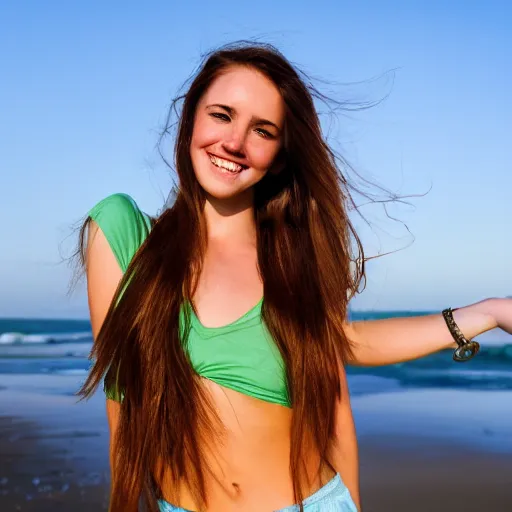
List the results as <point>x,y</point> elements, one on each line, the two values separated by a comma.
<point>224,191</point>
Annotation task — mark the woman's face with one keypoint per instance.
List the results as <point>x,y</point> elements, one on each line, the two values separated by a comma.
<point>237,132</point>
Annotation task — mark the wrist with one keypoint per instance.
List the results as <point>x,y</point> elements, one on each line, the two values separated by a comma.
<point>500,311</point>
<point>470,321</point>
<point>476,318</point>
<point>490,309</point>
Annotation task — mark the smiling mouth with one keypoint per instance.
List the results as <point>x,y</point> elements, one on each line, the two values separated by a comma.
<point>226,165</point>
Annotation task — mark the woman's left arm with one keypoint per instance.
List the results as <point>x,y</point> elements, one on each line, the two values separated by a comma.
<point>395,340</point>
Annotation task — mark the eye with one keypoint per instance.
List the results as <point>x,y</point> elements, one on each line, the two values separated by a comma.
<point>264,133</point>
<point>220,115</point>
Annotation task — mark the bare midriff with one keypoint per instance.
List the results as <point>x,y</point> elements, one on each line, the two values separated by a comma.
<point>251,470</point>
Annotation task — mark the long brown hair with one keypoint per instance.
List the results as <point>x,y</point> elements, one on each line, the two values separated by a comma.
<point>305,244</point>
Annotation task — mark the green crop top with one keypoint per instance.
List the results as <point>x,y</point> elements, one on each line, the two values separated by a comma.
<point>241,355</point>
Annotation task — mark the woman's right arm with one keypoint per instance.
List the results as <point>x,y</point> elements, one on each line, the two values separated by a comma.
<point>103,276</point>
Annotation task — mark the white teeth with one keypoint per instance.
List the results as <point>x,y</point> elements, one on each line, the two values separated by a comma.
<point>225,164</point>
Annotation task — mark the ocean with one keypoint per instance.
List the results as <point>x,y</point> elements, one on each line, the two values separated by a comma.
<point>62,347</point>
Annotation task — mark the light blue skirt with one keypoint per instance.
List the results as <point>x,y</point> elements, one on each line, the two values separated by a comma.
<point>332,497</point>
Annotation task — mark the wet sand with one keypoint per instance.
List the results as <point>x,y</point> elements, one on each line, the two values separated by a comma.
<point>54,451</point>
<point>432,477</point>
<point>35,477</point>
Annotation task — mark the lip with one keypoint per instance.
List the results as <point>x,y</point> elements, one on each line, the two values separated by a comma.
<point>244,166</point>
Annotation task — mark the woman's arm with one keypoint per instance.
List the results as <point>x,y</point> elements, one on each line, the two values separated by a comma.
<point>103,276</point>
<point>395,340</point>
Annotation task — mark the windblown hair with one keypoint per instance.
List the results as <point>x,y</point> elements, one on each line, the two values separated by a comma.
<point>305,243</point>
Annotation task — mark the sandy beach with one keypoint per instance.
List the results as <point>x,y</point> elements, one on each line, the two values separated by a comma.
<point>53,450</point>
<point>421,450</point>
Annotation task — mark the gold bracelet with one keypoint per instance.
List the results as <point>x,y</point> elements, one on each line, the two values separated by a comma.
<point>467,349</point>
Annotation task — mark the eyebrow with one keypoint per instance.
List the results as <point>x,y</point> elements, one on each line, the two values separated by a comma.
<point>257,120</point>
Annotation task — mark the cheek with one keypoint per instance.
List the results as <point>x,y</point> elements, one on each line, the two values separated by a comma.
<point>204,133</point>
<point>262,155</point>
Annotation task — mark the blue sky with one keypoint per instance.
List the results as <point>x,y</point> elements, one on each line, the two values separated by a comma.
<point>85,88</point>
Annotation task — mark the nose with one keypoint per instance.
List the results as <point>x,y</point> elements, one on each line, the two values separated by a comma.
<point>235,141</point>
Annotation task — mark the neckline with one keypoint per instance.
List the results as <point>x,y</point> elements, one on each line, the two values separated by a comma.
<point>252,313</point>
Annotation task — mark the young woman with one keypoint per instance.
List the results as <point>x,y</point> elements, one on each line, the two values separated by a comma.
<point>221,326</point>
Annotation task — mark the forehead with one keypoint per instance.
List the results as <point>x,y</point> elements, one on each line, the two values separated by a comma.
<point>247,91</point>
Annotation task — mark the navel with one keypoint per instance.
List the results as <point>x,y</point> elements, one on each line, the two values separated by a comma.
<point>236,488</point>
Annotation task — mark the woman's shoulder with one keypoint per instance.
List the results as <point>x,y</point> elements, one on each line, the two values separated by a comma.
<point>114,205</point>
<point>123,223</point>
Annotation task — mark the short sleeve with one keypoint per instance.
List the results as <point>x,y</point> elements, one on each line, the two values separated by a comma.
<point>124,225</point>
